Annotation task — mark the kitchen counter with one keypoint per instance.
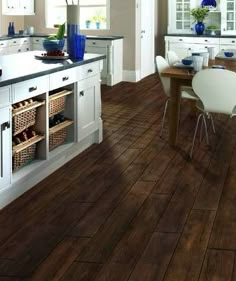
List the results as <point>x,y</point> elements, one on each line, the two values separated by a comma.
<point>24,66</point>
<point>32,94</point>
<point>98,37</point>
<point>201,36</point>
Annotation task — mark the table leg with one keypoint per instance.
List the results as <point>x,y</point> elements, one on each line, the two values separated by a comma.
<point>174,110</point>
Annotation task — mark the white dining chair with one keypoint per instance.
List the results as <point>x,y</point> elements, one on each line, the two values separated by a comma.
<point>186,92</point>
<point>216,89</point>
<point>172,57</point>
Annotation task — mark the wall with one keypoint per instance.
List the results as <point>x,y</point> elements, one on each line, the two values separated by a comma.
<point>122,23</point>
<point>18,22</point>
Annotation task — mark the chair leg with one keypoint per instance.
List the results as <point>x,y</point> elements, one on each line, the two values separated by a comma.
<point>195,133</point>
<point>164,117</point>
<point>212,124</point>
<point>206,132</point>
<point>201,128</point>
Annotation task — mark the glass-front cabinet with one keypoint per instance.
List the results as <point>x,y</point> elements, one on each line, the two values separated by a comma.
<point>180,20</point>
<point>228,17</point>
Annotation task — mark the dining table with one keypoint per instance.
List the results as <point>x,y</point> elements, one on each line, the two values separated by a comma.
<point>183,77</point>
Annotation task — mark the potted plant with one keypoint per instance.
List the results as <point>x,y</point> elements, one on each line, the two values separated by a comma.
<point>98,20</point>
<point>199,14</point>
<point>87,23</point>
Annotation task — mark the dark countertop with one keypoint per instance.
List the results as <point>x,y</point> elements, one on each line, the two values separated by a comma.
<point>201,36</point>
<point>24,66</point>
<point>89,37</point>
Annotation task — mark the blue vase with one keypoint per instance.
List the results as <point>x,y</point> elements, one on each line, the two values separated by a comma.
<point>208,3</point>
<point>98,24</point>
<point>199,27</point>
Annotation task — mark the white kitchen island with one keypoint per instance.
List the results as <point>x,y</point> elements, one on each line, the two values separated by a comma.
<point>32,87</point>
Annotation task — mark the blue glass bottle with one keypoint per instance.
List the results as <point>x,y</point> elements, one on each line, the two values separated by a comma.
<point>12,29</point>
<point>9,29</point>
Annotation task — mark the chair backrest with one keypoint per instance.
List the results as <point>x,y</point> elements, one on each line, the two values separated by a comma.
<point>216,89</point>
<point>172,57</point>
<point>161,65</point>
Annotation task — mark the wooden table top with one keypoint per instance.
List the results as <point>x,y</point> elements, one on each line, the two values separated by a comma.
<point>187,74</point>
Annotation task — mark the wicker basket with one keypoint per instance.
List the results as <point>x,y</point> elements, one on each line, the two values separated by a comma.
<point>58,133</point>
<point>25,152</point>
<point>57,102</point>
<point>24,157</point>
<point>24,117</point>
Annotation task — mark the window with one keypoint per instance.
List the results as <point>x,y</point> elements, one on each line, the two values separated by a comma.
<point>94,14</point>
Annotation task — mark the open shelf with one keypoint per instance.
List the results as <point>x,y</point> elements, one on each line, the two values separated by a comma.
<point>19,147</point>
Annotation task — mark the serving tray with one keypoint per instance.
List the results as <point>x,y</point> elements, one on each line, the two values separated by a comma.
<point>43,57</point>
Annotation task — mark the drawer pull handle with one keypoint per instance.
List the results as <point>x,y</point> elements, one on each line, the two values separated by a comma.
<point>90,70</point>
<point>180,39</point>
<point>5,126</point>
<point>206,40</point>
<point>94,43</point>
<point>233,41</point>
<point>19,50</point>
<point>65,78</point>
<point>31,89</point>
<point>14,42</point>
<point>81,93</point>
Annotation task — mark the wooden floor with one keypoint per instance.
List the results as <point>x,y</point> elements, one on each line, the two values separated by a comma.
<point>131,208</point>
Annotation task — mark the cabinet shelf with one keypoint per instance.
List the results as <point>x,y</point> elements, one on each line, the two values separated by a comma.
<point>60,126</point>
<point>27,107</point>
<point>19,147</point>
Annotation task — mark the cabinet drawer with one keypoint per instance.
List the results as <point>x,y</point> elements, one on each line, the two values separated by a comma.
<point>3,44</point>
<point>14,42</point>
<point>30,88</point>
<point>37,40</point>
<point>228,41</point>
<point>24,41</point>
<point>98,43</point>
<point>193,40</point>
<point>5,96</point>
<point>87,70</point>
<point>62,78</point>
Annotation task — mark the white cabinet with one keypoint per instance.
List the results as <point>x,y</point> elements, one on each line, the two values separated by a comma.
<point>179,17</point>
<point>5,138</point>
<point>112,72</point>
<point>88,96</point>
<point>88,99</point>
<point>227,43</point>
<point>19,45</point>
<point>228,17</point>
<point>37,43</point>
<point>184,46</point>
<point>18,7</point>
<point>4,47</point>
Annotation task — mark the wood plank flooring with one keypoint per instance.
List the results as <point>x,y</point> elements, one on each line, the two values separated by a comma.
<point>130,208</point>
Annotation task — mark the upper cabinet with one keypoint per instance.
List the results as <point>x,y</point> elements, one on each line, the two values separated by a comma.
<point>18,7</point>
<point>180,21</point>
<point>228,17</point>
<point>179,16</point>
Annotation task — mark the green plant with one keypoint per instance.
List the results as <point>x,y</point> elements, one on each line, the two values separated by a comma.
<point>213,27</point>
<point>60,33</point>
<point>199,14</point>
<point>88,21</point>
<point>99,19</point>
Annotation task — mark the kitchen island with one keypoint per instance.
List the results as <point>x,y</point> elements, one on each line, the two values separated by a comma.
<point>50,111</point>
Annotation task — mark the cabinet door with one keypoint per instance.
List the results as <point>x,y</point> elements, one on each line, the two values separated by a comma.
<point>88,109</point>
<point>27,7</point>
<point>181,49</point>
<point>228,17</point>
<point>5,147</point>
<point>180,20</point>
<point>10,7</point>
<point>103,51</point>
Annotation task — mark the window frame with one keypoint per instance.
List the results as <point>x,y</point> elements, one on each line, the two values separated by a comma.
<point>107,6</point>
